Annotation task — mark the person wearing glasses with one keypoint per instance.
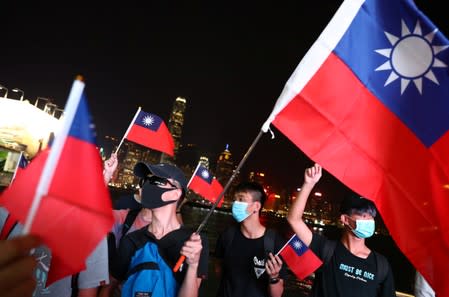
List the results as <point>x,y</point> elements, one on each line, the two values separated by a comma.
<point>163,189</point>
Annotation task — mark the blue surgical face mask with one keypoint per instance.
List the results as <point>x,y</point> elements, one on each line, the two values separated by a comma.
<point>364,228</point>
<point>239,210</point>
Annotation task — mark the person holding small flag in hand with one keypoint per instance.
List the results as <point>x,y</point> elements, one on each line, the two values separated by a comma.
<point>249,266</point>
<point>350,268</point>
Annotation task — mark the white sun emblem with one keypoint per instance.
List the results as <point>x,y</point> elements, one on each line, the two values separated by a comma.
<point>148,120</point>
<point>205,174</point>
<point>297,244</point>
<point>411,57</point>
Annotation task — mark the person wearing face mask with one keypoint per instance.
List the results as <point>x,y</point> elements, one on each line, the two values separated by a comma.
<point>352,269</point>
<point>247,267</point>
<point>147,256</point>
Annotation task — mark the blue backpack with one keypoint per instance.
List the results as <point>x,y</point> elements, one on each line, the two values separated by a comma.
<point>149,275</point>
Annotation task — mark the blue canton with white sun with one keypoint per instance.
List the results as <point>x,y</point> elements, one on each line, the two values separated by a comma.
<point>403,61</point>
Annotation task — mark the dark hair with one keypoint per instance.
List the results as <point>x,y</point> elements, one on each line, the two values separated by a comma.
<point>254,189</point>
<point>355,204</point>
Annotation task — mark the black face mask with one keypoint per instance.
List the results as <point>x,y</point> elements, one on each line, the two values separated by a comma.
<point>152,196</point>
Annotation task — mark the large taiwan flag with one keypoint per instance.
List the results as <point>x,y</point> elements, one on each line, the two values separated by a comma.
<point>370,103</point>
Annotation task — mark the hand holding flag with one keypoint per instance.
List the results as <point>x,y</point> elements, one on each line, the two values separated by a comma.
<point>60,198</point>
<point>369,103</point>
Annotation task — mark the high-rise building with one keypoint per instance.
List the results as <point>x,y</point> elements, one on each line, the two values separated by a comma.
<point>175,123</point>
<point>224,170</point>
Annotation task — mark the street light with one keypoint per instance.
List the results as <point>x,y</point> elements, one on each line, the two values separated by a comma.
<point>61,113</point>
<point>16,90</point>
<point>41,98</point>
<point>50,108</point>
<point>6,91</point>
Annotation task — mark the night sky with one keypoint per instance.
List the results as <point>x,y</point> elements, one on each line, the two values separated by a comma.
<point>230,60</point>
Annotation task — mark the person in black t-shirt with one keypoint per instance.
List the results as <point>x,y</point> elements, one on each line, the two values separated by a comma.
<point>352,269</point>
<point>242,250</point>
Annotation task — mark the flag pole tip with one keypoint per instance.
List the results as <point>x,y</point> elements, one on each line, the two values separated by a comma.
<point>79,77</point>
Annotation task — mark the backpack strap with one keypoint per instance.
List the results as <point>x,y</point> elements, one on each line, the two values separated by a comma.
<point>228,237</point>
<point>8,226</point>
<point>268,241</point>
<point>328,250</point>
<point>382,267</point>
<point>74,285</point>
<point>129,220</point>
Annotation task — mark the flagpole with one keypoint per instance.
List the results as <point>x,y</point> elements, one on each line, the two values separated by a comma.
<point>17,166</point>
<point>55,152</point>
<point>196,169</point>
<point>127,131</point>
<point>203,223</point>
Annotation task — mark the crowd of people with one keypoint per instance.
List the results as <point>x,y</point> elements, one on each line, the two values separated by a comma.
<point>141,254</point>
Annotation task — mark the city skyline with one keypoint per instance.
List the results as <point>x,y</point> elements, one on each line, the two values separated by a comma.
<point>230,61</point>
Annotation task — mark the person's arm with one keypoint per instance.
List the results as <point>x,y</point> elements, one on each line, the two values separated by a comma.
<point>17,266</point>
<point>273,267</point>
<point>192,251</point>
<point>89,292</point>
<point>96,273</point>
<point>311,176</point>
<point>110,165</point>
<point>422,287</point>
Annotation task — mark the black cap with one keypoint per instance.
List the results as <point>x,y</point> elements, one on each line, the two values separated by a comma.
<point>356,203</point>
<point>165,170</point>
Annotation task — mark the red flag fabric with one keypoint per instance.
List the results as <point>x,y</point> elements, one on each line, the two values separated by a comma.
<point>299,258</point>
<point>205,185</point>
<point>75,213</point>
<point>150,130</point>
<point>369,103</point>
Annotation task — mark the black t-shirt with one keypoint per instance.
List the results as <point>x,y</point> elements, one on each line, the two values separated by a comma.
<point>347,275</point>
<point>169,248</point>
<point>244,265</point>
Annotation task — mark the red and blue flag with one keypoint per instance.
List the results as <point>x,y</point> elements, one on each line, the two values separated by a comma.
<point>149,130</point>
<point>61,194</point>
<point>369,102</point>
<point>205,184</point>
<point>299,258</point>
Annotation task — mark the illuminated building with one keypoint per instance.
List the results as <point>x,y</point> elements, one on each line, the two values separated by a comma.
<point>224,170</point>
<point>23,128</point>
<point>175,124</point>
<point>129,154</point>
<point>258,177</point>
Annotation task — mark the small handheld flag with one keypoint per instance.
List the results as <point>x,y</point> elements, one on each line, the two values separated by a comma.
<point>301,260</point>
<point>149,130</point>
<point>205,185</point>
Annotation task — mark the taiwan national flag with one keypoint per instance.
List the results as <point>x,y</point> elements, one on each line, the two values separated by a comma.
<point>61,195</point>
<point>370,103</point>
<point>150,130</point>
<point>205,185</point>
<point>299,258</point>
